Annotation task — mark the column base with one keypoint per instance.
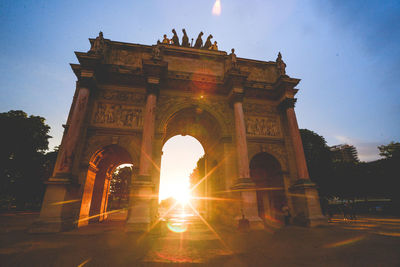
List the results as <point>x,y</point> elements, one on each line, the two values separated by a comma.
<point>255,222</point>
<point>140,211</point>
<point>48,226</point>
<point>55,215</point>
<point>248,197</point>
<point>307,200</point>
<point>136,227</point>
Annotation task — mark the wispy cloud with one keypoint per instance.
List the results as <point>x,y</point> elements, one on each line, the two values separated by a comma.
<point>367,151</point>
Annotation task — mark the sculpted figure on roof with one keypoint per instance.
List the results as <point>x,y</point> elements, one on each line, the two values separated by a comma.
<point>98,45</point>
<point>199,41</point>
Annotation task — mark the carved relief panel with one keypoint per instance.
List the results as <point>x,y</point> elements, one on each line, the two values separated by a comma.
<point>117,116</point>
<point>263,126</point>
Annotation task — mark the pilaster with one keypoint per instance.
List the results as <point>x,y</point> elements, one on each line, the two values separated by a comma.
<point>303,189</point>
<point>243,187</point>
<point>141,210</point>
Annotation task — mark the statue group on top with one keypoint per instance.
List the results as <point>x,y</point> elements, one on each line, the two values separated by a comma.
<point>97,48</point>
<point>185,41</point>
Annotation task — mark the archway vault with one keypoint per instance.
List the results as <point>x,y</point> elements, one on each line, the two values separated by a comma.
<point>96,188</point>
<point>218,110</point>
<point>196,122</point>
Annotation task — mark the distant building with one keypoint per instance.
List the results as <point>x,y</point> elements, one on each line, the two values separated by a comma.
<point>344,153</point>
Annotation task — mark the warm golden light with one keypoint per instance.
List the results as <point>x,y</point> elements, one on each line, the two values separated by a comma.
<point>182,195</point>
<point>216,10</point>
<point>180,155</point>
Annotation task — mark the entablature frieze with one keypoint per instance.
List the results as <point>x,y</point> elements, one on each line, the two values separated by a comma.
<point>101,131</point>
<point>122,96</point>
<point>265,140</point>
<point>259,109</point>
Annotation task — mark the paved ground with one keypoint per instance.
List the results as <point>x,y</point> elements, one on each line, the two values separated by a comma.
<point>366,242</point>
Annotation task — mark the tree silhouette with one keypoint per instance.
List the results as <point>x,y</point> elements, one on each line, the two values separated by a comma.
<point>23,143</point>
<point>390,151</point>
<point>119,188</point>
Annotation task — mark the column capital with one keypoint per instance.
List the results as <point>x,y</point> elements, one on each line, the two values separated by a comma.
<point>235,78</point>
<point>154,69</point>
<point>154,72</point>
<point>234,81</point>
<point>287,103</point>
<point>236,95</point>
<point>226,139</point>
<point>86,79</point>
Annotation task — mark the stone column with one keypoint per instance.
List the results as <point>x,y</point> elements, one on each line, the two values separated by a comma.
<point>142,211</point>
<point>311,214</point>
<point>142,188</point>
<point>243,186</point>
<point>146,157</point>
<point>241,144</point>
<point>301,163</point>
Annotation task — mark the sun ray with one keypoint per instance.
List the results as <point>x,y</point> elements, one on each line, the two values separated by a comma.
<point>207,175</point>
<point>210,227</point>
<point>97,215</point>
<point>157,222</point>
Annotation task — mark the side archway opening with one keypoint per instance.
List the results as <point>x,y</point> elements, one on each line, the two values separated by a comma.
<point>102,166</point>
<point>266,173</point>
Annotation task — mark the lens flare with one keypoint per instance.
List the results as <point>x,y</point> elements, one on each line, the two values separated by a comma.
<point>177,226</point>
<point>216,10</point>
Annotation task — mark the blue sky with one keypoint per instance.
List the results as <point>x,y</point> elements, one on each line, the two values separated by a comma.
<point>347,54</point>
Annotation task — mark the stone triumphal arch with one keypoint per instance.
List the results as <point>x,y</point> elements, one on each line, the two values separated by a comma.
<point>131,98</point>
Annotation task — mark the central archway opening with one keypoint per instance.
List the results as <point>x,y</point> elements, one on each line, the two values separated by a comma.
<point>179,159</point>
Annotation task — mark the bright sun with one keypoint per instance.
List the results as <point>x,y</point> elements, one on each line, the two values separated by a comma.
<point>180,156</point>
<point>182,196</point>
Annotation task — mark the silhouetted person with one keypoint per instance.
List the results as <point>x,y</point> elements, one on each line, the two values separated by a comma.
<point>199,41</point>
<point>175,39</point>
<point>345,209</point>
<point>185,39</point>
<point>208,43</point>
<point>353,210</point>
<point>286,213</point>
<point>244,224</point>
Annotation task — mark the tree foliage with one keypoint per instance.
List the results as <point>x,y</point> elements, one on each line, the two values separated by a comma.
<point>344,153</point>
<point>24,164</point>
<point>338,172</point>
<point>198,172</point>
<point>119,188</point>
<point>318,158</point>
<point>390,151</point>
